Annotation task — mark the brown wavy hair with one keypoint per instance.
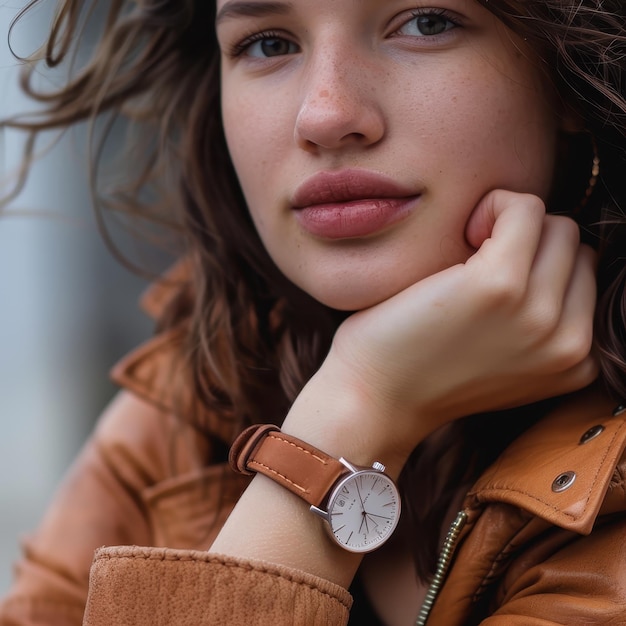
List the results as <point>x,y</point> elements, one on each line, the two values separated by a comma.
<point>247,339</point>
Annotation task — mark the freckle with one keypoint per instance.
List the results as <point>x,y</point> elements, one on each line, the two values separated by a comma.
<point>324,93</point>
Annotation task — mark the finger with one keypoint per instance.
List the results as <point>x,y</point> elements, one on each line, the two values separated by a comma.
<point>554,265</point>
<point>506,227</point>
<point>573,338</point>
<point>577,377</point>
<point>566,341</point>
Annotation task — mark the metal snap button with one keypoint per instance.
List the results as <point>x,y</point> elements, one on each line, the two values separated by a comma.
<point>563,481</point>
<point>592,433</point>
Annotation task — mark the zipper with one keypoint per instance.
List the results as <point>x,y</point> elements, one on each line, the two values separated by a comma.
<point>443,563</point>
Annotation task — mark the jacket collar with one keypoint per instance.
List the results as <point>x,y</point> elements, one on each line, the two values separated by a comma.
<point>156,371</point>
<point>558,470</point>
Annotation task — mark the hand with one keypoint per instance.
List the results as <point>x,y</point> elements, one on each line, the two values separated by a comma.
<point>510,326</point>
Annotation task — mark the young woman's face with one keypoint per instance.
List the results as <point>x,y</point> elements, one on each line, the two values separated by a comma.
<point>364,133</point>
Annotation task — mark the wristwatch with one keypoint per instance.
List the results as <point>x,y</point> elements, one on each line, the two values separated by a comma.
<point>360,505</point>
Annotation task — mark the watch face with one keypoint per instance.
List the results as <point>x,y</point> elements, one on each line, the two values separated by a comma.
<point>363,510</point>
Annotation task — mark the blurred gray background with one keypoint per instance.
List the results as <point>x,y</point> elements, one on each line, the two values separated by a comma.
<point>67,309</point>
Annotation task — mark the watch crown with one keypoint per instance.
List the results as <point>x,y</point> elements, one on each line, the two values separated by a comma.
<point>379,467</point>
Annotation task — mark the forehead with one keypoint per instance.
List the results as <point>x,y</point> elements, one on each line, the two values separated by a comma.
<point>262,7</point>
<point>228,8</point>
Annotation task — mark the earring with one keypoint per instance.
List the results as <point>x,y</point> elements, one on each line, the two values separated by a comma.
<point>595,174</point>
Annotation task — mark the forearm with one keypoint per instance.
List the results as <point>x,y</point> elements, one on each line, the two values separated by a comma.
<point>272,524</point>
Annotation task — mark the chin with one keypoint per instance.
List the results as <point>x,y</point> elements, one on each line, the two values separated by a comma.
<point>354,297</point>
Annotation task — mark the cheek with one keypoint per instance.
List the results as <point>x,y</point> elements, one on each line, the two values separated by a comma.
<point>481,126</point>
<point>255,128</point>
<point>242,139</point>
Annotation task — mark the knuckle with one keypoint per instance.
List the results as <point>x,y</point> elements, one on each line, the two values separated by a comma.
<point>530,202</point>
<point>534,204</point>
<point>568,227</point>
<point>589,371</point>
<point>502,289</point>
<point>574,348</point>
<point>542,319</point>
<point>582,375</point>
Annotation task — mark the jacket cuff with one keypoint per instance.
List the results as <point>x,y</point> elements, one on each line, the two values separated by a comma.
<point>154,586</point>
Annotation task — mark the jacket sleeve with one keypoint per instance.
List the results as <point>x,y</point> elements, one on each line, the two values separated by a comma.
<point>97,504</point>
<point>161,587</point>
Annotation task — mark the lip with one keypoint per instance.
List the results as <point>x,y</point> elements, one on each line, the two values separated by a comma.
<point>351,203</point>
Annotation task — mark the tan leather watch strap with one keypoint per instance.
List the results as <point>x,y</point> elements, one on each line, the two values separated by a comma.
<point>294,464</point>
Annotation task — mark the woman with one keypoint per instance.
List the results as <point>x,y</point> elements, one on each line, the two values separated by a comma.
<point>367,253</point>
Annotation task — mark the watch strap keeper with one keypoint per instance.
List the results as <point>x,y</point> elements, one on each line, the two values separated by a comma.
<point>296,465</point>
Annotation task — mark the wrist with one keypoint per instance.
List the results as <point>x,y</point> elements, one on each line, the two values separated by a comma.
<point>359,505</point>
<point>336,414</point>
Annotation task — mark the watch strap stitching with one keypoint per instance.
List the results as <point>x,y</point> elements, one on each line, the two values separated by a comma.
<point>256,464</point>
<point>315,476</point>
<point>276,435</point>
<point>303,469</point>
<point>321,460</point>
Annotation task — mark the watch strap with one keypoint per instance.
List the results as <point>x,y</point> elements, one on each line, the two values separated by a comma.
<point>296,465</point>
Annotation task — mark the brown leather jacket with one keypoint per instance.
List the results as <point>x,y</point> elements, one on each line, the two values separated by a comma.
<point>541,540</point>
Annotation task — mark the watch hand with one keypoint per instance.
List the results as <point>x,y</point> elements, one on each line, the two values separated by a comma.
<point>363,520</point>
<point>359,494</point>
<point>372,520</point>
<point>381,516</point>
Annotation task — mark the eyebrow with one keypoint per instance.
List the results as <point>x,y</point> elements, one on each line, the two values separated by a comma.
<point>241,8</point>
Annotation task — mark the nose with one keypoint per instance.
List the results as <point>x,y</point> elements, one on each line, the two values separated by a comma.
<point>339,106</point>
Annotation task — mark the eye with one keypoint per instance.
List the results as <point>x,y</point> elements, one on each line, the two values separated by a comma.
<point>427,24</point>
<point>264,46</point>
